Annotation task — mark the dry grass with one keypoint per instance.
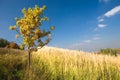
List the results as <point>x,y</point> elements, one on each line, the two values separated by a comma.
<point>64,64</point>
<point>51,63</point>
<point>11,51</point>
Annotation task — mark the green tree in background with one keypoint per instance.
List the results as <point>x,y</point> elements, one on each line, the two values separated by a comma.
<point>110,51</point>
<point>4,42</point>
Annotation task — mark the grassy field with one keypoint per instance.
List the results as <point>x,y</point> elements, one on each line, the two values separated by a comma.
<point>59,64</point>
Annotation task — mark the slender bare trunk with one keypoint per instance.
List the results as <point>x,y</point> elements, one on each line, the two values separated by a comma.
<point>29,53</point>
<point>29,59</point>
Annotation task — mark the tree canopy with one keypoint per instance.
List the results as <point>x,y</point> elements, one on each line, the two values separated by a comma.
<point>29,27</point>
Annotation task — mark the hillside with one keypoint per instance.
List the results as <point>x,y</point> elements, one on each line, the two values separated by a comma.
<point>50,63</point>
<point>11,51</point>
<point>55,49</point>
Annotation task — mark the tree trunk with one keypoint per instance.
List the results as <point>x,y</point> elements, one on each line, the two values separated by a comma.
<point>29,54</point>
<point>29,59</point>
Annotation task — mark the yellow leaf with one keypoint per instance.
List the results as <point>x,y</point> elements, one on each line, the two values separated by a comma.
<point>52,27</point>
<point>17,36</point>
<point>12,27</point>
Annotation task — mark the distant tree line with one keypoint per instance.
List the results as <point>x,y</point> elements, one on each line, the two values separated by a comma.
<point>6,44</point>
<point>110,51</point>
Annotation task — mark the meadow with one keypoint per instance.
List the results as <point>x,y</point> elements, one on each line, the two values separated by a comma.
<point>51,63</point>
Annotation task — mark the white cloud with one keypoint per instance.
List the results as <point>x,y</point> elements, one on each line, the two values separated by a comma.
<point>100,20</point>
<point>104,1</point>
<point>101,25</point>
<point>96,38</point>
<point>87,41</point>
<point>113,11</point>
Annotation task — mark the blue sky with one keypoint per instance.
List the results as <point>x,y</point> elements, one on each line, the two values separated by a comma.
<point>80,24</point>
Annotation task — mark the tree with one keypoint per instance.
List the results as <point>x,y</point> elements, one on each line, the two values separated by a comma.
<point>109,51</point>
<point>30,31</point>
<point>3,42</point>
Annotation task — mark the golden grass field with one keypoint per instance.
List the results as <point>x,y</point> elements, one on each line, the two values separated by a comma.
<point>50,63</point>
<point>78,65</point>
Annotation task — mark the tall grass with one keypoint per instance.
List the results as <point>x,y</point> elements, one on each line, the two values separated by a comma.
<point>56,64</point>
<point>62,64</point>
<point>12,67</point>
